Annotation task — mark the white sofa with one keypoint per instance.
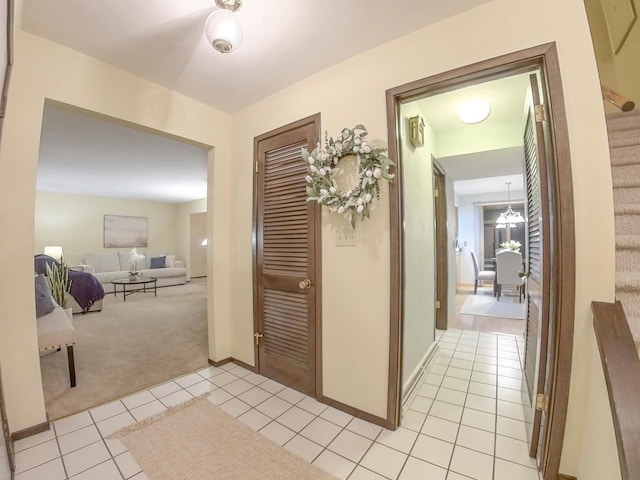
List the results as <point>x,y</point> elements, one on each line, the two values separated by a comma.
<point>109,266</point>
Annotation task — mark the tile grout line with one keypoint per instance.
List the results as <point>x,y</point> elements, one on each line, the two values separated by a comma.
<point>495,436</point>
<point>461,415</point>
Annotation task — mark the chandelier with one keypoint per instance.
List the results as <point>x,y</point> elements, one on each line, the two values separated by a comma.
<point>223,29</point>
<point>509,218</point>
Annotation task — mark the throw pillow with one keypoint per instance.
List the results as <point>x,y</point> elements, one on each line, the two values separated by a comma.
<point>44,300</point>
<point>169,261</point>
<point>157,262</point>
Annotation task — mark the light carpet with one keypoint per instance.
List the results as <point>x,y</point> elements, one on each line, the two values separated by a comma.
<point>198,440</point>
<point>484,306</point>
<point>129,346</point>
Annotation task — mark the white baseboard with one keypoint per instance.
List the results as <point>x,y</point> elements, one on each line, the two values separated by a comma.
<point>409,388</point>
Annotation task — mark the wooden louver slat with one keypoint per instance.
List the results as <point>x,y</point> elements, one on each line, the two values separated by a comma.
<point>531,336</point>
<point>285,234</point>
<point>285,250</point>
<point>534,244</point>
<point>285,330</point>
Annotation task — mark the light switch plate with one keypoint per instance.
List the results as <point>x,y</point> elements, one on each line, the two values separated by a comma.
<point>346,238</point>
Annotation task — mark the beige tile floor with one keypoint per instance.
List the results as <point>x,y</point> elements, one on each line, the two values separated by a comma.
<point>467,422</point>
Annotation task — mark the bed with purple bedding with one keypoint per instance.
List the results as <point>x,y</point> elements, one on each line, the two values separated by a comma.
<point>85,288</point>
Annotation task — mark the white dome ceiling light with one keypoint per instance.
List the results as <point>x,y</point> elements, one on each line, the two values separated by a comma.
<point>222,28</point>
<point>474,111</point>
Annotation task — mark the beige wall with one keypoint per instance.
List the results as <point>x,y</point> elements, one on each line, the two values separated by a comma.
<point>183,226</point>
<point>76,223</point>
<point>355,304</point>
<point>620,71</point>
<point>198,253</point>
<point>419,243</point>
<point>44,70</point>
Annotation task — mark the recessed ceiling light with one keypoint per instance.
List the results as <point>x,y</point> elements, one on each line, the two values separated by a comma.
<point>474,111</point>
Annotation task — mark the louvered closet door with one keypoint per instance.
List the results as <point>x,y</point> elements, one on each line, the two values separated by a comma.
<point>287,252</point>
<point>538,264</point>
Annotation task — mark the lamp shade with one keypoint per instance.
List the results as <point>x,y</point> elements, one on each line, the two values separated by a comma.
<point>224,31</point>
<point>53,251</point>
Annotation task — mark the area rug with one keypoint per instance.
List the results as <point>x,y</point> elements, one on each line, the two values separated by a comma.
<point>129,346</point>
<point>484,306</point>
<point>197,440</point>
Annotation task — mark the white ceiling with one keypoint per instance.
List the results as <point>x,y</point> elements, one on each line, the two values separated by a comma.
<point>284,40</point>
<point>504,161</point>
<point>478,186</point>
<point>483,171</point>
<point>90,155</point>
<point>506,98</point>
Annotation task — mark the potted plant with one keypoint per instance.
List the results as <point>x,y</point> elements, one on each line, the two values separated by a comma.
<point>58,276</point>
<point>134,258</point>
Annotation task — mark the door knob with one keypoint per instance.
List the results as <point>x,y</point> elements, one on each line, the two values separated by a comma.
<point>305,284</point>
<point>523,274</point>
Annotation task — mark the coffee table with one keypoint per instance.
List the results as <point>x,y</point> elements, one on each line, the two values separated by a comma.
<point>144,281</point>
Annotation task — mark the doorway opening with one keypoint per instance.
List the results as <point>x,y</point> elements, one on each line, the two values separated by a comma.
<point>96,174</point>
<point>549,268</point>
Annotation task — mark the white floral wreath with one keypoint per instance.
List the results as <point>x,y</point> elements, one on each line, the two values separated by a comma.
<point>322,167</point>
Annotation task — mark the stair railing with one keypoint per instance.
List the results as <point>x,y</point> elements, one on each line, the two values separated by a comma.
<point>621,366</point>
<point>617,99</point>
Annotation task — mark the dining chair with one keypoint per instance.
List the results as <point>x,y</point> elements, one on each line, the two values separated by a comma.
<point>481,275</point>
<point>508,268</point>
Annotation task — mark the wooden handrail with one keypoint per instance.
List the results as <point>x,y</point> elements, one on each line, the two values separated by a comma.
<point>621,366</point>
<point>617,99</point>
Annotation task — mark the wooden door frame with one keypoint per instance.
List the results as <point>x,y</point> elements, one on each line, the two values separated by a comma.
<point>441,246</point>
<point>315,120</point>
<point>544,57</point>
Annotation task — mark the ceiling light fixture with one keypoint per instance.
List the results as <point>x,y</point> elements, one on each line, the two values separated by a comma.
<point>474,111</point>
<point>222,28</point>
<point>509,218</point>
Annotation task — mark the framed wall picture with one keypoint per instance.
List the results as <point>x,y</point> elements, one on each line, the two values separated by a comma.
<point>124,231</point>
<point>620,16</point>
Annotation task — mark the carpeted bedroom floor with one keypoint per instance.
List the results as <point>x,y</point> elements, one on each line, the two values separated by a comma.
<point>129,346</point>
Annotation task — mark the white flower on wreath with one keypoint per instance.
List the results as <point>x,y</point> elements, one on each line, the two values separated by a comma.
<point>372,165</point>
